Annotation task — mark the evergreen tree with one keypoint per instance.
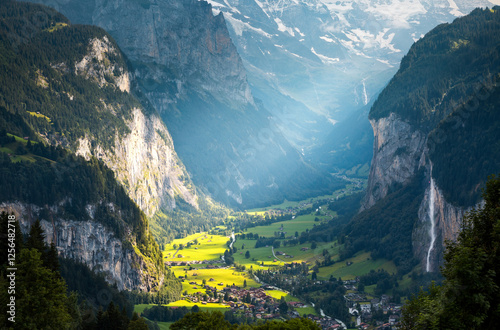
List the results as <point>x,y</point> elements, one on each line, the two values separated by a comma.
<point>202,321</point>
<point>137,323</point>
<point>41,294</point>
<point>36,238</point>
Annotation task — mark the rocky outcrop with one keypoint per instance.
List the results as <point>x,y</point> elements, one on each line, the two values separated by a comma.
<point>397,149</point>
<point>174,46</point>
<point>93,244</point>
<point>96,65</point>
<point>145,162</point>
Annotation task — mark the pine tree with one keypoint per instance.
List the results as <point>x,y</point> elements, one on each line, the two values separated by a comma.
<point>41,294</point>
<point>36,238</point>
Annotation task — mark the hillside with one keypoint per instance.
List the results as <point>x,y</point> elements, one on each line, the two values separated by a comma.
<point>62,86</point>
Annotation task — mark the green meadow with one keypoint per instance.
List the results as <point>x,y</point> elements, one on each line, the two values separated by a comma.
<point>362,263</point>
<point>299,224</point>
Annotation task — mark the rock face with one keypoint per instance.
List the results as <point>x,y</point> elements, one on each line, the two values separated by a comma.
<point>92,244</point>
<point>397,149</point>
<point>448,221</point>
<point>144,160</point>
<point>400,150</point>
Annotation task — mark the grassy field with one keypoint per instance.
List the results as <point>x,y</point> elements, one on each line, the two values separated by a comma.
<point>290,204</point>
<point>257,256</point>
<point>225,276</point>
<point>210,247</point>
<point>299,224</point>
<point>264,254</point>
<point>362,263</point>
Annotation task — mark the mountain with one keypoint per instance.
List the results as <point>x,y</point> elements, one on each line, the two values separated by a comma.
<point>316,63</point>
<point>436,141</point>
<point>188,68</point>
<point>67,90</point>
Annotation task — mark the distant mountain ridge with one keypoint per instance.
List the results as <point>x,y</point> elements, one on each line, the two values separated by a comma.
<point>314,63</point>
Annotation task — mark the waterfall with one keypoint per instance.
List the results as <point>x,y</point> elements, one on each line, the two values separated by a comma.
<point>432,231</point>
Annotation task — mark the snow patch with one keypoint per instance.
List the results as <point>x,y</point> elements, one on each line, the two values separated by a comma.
<point>454,9</point>
<point>283,28</point>
<point>239,26</point>
<point>325,59</point>
<point>327,39</point>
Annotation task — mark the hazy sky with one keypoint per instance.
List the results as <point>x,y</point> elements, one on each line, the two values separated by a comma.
<point>496,2</point>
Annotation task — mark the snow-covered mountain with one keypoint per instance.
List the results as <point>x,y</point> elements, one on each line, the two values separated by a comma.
<point>311,59</point>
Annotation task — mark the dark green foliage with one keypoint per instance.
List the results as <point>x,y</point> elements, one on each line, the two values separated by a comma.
<point>36,238</point>
<point>470,295</point>
<point>216,320</point>
<point>465,148</point>
<point>202,321</point>
<point>442,69</point>
<point>93,287</point>
<point>391,223</point>
<point>166,314</point>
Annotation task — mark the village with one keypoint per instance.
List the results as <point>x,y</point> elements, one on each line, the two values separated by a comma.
<point>256,303</point>
<point>367,312</point>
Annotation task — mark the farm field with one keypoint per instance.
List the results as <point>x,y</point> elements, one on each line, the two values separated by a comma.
<point>265,254</point>
<point>209,247</point>
<point>226,276</point>
<point>362,263</point>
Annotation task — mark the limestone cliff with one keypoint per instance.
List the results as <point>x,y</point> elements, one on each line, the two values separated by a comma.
<point>91,243</point>
<point>397,148</point>
<point>145,162</point>
<point>143,159</point>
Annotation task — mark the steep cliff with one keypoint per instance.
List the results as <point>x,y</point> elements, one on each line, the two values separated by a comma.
<point>189,70</point>
<point>439,116</point>
<point>91,243</point>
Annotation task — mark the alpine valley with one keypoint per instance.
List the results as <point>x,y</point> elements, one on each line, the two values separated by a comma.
<point>271,164</point>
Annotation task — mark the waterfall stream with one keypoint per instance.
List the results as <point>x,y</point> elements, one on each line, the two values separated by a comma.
<point>432,231</point>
